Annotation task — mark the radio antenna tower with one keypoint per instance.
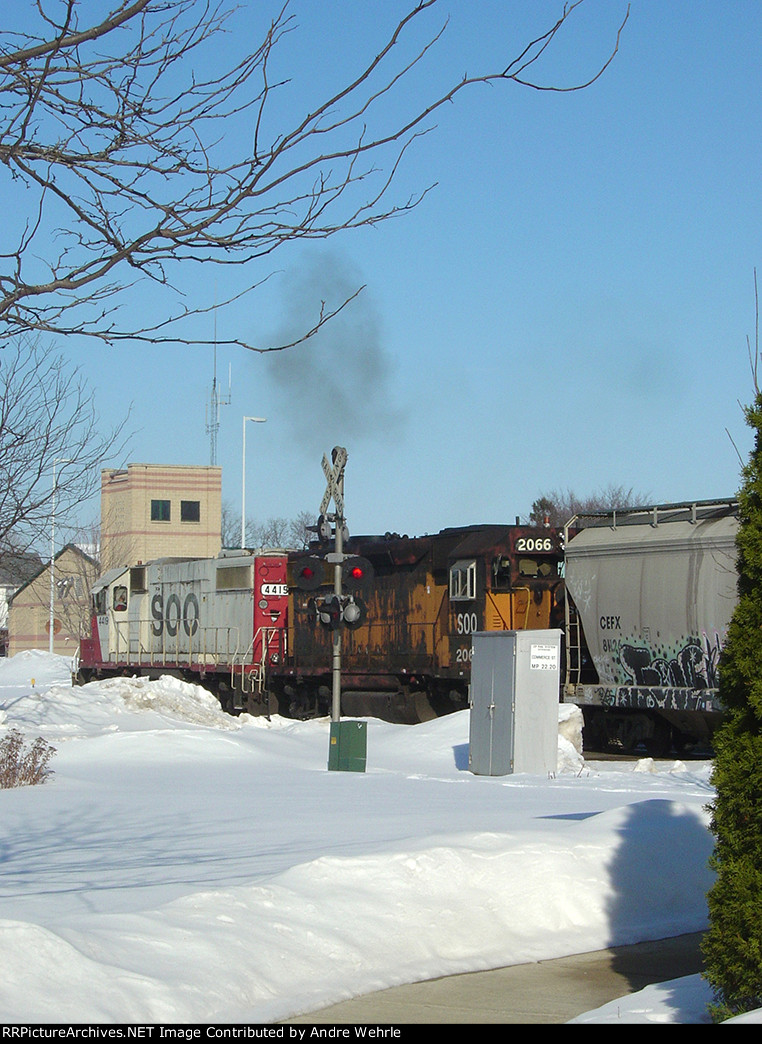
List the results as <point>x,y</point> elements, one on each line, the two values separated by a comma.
<point>215,402</point>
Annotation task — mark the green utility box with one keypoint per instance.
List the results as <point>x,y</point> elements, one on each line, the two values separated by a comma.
<point>349,746</point>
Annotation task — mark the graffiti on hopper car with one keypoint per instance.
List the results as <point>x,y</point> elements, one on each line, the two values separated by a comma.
<point>693,666</point>
<point>633,698</point>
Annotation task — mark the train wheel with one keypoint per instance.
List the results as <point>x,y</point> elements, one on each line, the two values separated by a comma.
<point>224,694</point>
<point>683,742</point>
<point>594,732</point>
<point>660,743</point>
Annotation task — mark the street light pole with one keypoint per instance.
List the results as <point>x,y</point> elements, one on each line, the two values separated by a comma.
<point>58,460</point>
<point>259,420</point>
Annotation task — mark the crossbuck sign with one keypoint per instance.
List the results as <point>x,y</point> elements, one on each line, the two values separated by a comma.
<point>335,477</point>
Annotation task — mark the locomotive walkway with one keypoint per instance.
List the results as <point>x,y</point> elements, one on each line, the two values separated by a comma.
<point>545,992</point>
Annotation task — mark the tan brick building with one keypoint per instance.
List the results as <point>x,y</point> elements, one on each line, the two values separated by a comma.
<point>29,610</point>
<point>157,511</point>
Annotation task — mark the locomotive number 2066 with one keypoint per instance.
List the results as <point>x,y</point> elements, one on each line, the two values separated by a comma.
<point>534,544</point>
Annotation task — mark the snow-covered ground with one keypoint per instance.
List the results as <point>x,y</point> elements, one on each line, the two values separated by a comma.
<point>182,866</point>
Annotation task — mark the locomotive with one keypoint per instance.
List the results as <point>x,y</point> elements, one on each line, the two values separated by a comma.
<point>643,599</point>
<point>242,625</point>
<point>408,656</point>
<point>220,621</point>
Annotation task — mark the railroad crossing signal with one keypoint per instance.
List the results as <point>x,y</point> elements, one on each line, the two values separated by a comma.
<point>334,474</point>
<point>329,612</point>
<point>354,613</point>
<point>338,610</point>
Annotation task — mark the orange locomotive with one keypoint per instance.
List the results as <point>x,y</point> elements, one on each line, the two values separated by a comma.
<point>406,651</point>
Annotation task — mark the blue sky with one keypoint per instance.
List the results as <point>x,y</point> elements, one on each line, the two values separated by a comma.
<point>567,309</point>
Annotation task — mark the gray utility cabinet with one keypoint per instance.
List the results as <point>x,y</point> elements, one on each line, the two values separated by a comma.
<point>515,679</point>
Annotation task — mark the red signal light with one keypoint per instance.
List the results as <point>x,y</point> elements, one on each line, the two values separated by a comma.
<point>356,572</point>
<point>308,574</point>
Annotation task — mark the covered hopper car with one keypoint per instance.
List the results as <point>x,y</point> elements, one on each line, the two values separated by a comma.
<point>649,597</point>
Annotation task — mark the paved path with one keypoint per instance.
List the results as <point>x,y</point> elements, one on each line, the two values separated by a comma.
<point>545,992</point>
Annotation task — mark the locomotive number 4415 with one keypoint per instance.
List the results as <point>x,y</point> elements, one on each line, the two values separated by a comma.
<point>274,590</point>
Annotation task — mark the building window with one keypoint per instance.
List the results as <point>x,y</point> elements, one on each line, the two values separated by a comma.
<point>160,511</point>
<point>190,511</point>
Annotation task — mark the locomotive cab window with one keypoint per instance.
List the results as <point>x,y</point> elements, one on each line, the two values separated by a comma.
<point>234,578</point>
<point>538,566</point>
<point>138,579</point>
<point>120,599</point>
<point>501,574</point>
<point>463,580</point>
<point>526,567</point>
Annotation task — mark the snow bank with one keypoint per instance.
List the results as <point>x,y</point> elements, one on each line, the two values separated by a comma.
<point>183,866</point>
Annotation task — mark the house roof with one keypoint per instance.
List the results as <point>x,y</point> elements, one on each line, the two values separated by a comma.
<point>17,567</point>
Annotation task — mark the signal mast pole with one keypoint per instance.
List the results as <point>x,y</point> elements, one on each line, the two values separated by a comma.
<point>337,588</point>
<point>334,474</point>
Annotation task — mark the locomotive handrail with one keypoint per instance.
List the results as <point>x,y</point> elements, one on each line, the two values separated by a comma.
<point>692,511</point>
<point>130,648</point>
<point>265,636</point>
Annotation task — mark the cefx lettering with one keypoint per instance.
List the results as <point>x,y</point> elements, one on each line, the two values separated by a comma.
<point>610,623</point>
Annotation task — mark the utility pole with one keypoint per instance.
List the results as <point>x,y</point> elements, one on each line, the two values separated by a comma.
<point>259,420</point>
<point>334,474</point>
<point>52,620</point>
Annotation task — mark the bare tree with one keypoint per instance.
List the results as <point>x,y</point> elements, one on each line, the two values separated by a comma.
<point>556,507</point>
<point>301,530</point>
<point>230,535</point>
<point>75,572</point>
<point>49,438</point>
<point>272,533</point>
<point>293,533</point>
<point>116,168</point>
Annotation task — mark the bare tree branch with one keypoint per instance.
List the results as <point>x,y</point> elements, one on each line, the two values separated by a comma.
<point>754,355</point>
<point>557,506</point>
<point>120,164</point>
<point>49,432</point>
